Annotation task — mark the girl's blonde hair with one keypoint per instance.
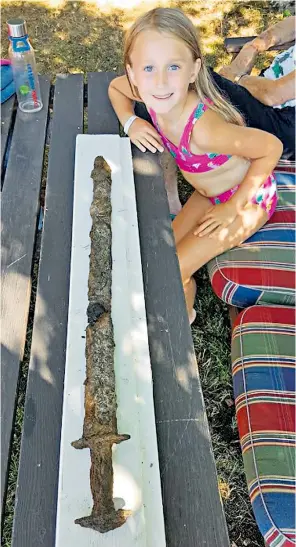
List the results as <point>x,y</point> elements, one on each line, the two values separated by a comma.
<point>176,23</point>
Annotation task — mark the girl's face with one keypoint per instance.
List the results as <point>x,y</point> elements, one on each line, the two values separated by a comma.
<point>161,68</point>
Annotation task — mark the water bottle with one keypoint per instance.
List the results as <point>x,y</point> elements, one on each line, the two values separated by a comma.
<point>23,65</point>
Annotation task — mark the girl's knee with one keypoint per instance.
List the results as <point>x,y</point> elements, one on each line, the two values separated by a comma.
<point>186,273</point>
<point>188,282</point>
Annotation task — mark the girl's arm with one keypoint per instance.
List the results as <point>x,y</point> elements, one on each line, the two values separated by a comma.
<point>141,133</point>
<point>213,134</point>
<point>122,98</point>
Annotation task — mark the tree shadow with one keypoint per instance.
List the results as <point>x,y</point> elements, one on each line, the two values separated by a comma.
<point>80,37</point>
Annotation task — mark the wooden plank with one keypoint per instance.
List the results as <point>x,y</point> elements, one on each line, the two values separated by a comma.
<point>6,120</point>
<point>192,513</point>
<point>192,506</point>
<point>135,462</point>
<point>20,205</point>
<point>234,45</point>
<point>101,116</point>
<point>36,495</point>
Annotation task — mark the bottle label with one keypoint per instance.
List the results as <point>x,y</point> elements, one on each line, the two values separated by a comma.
<point>21,44</point>
<point>32,83</point>
<point>28,85</point>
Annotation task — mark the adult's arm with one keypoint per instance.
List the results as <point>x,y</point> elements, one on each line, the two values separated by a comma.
<point>270,92</point>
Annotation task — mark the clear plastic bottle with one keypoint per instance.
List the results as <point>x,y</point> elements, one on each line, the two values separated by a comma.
<point>23,66</point>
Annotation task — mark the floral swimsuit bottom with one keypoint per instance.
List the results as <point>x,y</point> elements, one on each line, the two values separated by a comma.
<point>266,195</point>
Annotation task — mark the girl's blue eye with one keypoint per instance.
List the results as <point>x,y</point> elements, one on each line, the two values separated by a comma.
<point>149,68</point>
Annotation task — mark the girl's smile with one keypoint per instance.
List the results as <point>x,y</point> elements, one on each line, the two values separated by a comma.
<point>164,97</point>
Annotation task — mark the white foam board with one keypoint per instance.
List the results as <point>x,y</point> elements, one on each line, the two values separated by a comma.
<point>135,462</point>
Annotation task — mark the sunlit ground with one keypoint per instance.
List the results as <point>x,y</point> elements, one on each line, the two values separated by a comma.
<point>87,36</point>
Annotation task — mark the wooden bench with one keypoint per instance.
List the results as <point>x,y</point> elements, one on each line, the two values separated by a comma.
<point>192,506</point>
<point>234,45</point>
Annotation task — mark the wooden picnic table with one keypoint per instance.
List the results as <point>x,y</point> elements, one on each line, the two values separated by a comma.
<point>192,507</point>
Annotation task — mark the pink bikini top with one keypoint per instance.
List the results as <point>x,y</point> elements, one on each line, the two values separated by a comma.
<point>183,157</point>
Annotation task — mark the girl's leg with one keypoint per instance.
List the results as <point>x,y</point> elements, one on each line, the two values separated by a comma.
<point>188,218</point>
<point>193,251</point>
<point>171,181</point>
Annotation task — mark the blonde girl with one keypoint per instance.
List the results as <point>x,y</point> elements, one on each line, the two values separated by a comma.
<point>229,165</point>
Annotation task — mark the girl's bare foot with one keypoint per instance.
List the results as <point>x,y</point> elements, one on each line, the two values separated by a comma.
<point>192,316</point>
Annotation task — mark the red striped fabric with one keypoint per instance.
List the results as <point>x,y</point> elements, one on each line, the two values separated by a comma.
<point>262,269</point>
<point>263,368</point>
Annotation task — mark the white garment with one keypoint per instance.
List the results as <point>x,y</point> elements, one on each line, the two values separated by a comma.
<point>283,63</point>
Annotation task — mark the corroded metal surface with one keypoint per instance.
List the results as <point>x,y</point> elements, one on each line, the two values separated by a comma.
<point>100,423</point>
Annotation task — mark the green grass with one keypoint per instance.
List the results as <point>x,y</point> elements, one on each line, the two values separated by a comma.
<point>78,37</point>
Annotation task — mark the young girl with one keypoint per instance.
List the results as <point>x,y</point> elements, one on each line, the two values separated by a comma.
<point>229,165</point>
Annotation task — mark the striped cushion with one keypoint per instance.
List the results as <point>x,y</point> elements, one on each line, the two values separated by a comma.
<point>286,165</point>
<point>262,270</point>
<point>263,367</point>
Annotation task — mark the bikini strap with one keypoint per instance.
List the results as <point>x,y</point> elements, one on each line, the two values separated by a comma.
<point>194,116</point>
<point>198,111</point>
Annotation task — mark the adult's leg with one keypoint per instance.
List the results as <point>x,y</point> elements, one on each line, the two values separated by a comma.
<point>279,122</point>
<point>193,251</point>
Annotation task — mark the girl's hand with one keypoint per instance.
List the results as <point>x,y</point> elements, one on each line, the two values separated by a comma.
<point>219,216</point>
<point>144,136</point>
